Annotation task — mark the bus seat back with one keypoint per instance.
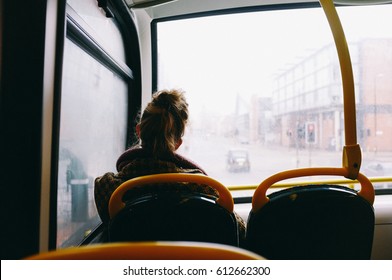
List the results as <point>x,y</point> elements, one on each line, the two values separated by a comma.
<point>312,222</point>
<point>174,217</point>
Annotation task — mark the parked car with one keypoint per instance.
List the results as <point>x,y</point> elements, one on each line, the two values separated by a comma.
<point>238,160</point>
<point>378,169</point>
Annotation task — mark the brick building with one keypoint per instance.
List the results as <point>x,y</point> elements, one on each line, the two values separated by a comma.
<point>307,99</point>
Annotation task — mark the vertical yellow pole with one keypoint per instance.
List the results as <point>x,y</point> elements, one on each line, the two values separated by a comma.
<point>351,151</point>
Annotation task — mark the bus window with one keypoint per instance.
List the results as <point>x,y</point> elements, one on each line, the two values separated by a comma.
<point>93,122</point>
<point>269,83</point>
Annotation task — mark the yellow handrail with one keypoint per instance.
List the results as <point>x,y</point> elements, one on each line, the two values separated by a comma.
<point>162,250</point>
<point>116,203</point>
<point>260,198</point>
<point>351,158</point>
<point>280,185</point>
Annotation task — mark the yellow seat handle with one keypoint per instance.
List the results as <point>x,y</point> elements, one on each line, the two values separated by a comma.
<point>260,196</point>
<point>162,250</point>
<point>116,203</point>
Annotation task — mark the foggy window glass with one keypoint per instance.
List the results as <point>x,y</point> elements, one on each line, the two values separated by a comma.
<point>92,135</point>
<point>268,83</point>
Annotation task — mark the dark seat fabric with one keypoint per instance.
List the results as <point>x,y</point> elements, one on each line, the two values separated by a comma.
<point>174,217</point>
<point>312,222</point>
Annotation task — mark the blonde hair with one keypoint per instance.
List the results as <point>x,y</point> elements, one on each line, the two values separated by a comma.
<point>163,122</point>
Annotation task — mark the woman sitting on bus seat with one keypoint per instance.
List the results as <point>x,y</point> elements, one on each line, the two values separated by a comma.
<point>160,131</point>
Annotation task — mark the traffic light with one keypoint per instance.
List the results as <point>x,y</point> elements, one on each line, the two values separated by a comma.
<point>310,132</point>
